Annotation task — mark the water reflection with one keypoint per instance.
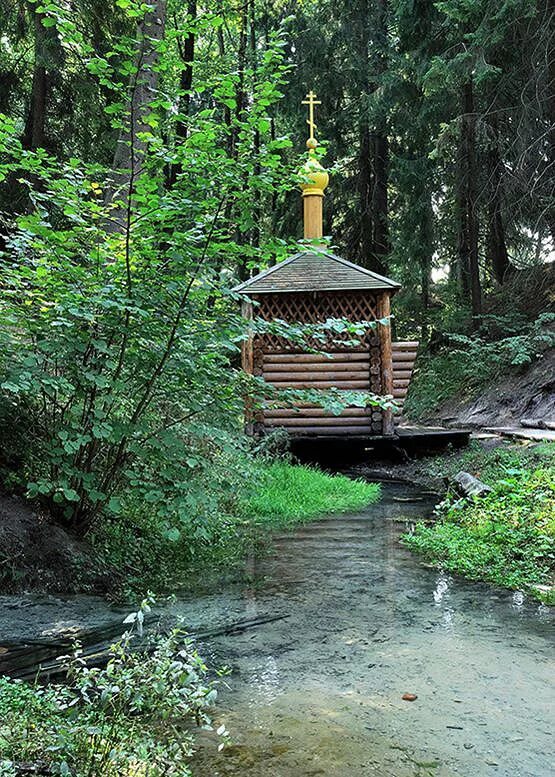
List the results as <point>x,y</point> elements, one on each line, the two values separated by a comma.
<point>442,586</point>
<point>265,680</point>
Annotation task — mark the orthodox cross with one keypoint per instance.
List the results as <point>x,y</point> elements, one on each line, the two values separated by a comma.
<point>311,101</point>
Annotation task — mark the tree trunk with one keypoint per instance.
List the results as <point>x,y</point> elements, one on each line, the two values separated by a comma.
<point>496,245</point>
<point>240,106</point>
<point>131,148</point>
<point>426,256</point>
<point>380,146</point>
<point>257,214</point>
<point>380,212</point>
<point>187,54</point>
<point>367,150</point>
<point>467,248</point>
<point>365,186</point>
<point>550,56</point>
<point>34,135</point>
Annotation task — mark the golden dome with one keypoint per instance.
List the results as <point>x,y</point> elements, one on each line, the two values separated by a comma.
<point>316,177</point>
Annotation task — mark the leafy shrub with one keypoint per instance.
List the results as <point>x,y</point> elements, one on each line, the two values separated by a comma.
<point>507,536</point>
<point>133,717</point>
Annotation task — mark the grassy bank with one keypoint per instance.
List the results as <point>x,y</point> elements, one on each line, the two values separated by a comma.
<point>508,535</point>
<point>271,496</point>
<point>286,494</point>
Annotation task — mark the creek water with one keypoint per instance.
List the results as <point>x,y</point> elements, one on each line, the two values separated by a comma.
<point>320,692</point>
<point>338,623</point>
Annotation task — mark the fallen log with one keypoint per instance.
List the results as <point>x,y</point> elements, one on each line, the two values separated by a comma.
<point>467,485</point>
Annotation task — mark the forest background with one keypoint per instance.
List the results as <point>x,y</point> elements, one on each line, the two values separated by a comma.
<point>148,162</point>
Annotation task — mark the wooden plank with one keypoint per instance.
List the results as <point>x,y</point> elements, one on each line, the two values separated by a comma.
<point>386,352</point>
<point>247,345</point>
<point>316,412</point>
<point>400,358</point>
<point>399,383</point>
<point>340,384</point>
<point>405,345</point>
<point>316,377</point>
<point>401,374</point>
<point>334,366</point>
<point>247,362</point>
<point>400,393</point>
<point>298,422</point>
<point>275,357</point>
<point>333,430</point>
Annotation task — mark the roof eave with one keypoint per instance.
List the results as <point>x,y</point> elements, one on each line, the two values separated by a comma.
<point>255,292</point>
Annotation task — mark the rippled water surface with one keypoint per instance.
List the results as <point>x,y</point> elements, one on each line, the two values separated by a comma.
<point>319,691</point>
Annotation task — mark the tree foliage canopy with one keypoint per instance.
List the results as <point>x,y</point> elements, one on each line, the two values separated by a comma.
<point>146,165</point>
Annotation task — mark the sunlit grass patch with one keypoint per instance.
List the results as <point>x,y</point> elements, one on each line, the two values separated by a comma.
<point>287,494</point>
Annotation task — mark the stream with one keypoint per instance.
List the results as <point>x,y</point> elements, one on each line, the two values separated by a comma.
<point>344,621</point>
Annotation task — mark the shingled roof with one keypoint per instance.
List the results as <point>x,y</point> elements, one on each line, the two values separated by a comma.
<point>315,271</point>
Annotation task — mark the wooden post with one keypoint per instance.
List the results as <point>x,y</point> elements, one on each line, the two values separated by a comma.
<point>384,310</point>
<point>313,216</point>
<point>247,362</point>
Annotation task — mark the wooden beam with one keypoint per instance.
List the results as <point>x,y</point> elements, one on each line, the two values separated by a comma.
<point>316,412</point>
<point>333,430</point>
<point>335,366</point>
<point>314,377</point>
<point>275,357</point>
<point>384,311</point>
<point>247,362</point>
<point>340,384</point>
<point>297,422</point>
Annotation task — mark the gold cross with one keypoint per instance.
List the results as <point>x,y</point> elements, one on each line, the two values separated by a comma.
<point>311,101</point>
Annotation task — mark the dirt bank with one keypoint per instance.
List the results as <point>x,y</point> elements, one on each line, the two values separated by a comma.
<point>529,394</point>
<point>36,554</point>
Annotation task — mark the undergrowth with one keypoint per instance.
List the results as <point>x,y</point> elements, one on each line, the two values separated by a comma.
<point>506,536</point>
<point>272,495</point>
<point>465,365</point>
<point>135,717</point>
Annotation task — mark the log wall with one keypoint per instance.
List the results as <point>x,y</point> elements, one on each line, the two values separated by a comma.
<point>370,362</point>
<point>404,356</point>
<point>349,370</point>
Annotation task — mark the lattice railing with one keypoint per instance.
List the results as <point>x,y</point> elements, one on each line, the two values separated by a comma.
<point>314,308</point>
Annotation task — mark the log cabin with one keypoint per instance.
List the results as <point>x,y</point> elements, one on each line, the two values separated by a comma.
<point>313,286</point>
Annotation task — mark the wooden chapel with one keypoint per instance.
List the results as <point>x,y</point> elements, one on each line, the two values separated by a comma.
<point>312,286</point>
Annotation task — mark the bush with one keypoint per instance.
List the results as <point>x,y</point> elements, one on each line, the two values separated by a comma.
<point>467,364</point>
<point>507,536</point>
<point>131,718</point>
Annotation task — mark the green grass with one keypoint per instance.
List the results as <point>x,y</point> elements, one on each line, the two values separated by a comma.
<point>288,494</point>
<point>506,537</point>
